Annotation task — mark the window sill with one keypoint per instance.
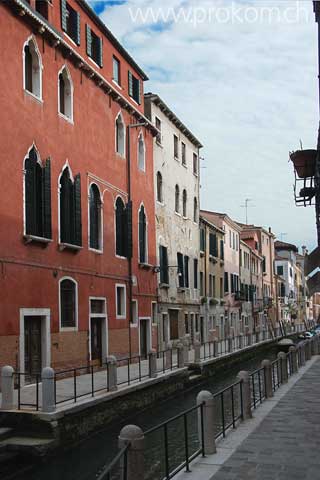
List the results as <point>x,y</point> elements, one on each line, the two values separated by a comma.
<point>195,174</point>
<point>116,84</point>
<point>118,317</point>
<point>67,119</point>
<point>68,329</point>
<point>178,214</point>
<point>122,156</point>
<point>69,246</point>
<point>33,238</point>
<point>94,62</point>
<point>134,325</point>
<point>159,144</point>
<point>164,285</point>
<point>160,203</point>
<point>35,97</point>
<point>213,259</point>
<point>94,250</point>
<point>184,165</point>
<point>176,159</point>
<point>145,266</point>
<point>184,218</point>
<point>71,39</point>
<point>201,253</point>
<point>122,258</point>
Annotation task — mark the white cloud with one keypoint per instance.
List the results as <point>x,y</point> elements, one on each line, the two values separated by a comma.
<point>247,90</point>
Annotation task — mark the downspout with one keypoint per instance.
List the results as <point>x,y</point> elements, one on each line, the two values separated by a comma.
<point>129,256</point>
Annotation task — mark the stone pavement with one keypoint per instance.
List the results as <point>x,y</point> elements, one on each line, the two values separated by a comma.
<point>281,442</point>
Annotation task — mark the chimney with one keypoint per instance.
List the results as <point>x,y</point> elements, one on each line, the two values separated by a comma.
<point>270,230</point>
<point>304,250</point>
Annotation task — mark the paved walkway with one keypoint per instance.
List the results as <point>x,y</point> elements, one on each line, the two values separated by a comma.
<point>281,442</point>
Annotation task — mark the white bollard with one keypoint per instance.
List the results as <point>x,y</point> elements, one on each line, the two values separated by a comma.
<point>207,422</point>
<point>135,456</point>
<point>48,396</point>
<point>112,373</point>
<point>246,394</point>
<point>7,387</point>
<point>153,364</point>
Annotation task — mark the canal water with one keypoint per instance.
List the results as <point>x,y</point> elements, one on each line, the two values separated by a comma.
<point>85,459</point>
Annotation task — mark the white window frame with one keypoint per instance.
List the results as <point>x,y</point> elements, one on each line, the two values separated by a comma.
<point>124,289</point>
<point>141,167</point>
<point>63,69</point>
<point>75,328</point>
<point>121,154</point>
<point>99,250</point>
<point>135,322</point>
<point>37,51</point>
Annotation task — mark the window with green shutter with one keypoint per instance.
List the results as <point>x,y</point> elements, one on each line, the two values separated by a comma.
<point>134,87</point>
<point>164,271</point>
<point>70,21</point>
<point>94,46</point>
<point>70,209</point>
<point>37,196</point>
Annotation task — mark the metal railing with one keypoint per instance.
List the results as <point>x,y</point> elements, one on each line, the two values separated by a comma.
<point>168,360</point>
<point>18,385</point>
<point>183,458</point>
<point>118,468</point>
<point>79,386</point>
<point>229,408</point>
<point>136,370</point>
<point>258,387</point>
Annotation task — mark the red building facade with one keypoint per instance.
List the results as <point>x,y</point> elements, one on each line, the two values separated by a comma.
<point>77,191</point>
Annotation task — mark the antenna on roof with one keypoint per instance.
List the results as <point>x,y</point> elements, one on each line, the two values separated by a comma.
<point>246,206</point>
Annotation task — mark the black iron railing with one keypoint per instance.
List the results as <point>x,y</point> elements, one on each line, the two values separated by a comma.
<point>34,380</point>
<point>168,360</point>
<point>171,466</point>
<point>137,369</point>
<point>118,468</point>
<point>77,381</point>
<point>228,408</point>
<point>258,387</point>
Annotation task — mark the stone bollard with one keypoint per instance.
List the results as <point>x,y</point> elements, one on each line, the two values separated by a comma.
<point>48,390</point>
<point>153,364</point>
<point>7,387</point>
<point>197,348</point>
<point>303,353</point>
<point>186,350</point>
<point>266,365</point>
<point>180,354</point>
<point>241,341</point>
<point>215,348</point>
<point>135,454</point>
<point>208,422</point>
<point>230,344</point>
<point>168,356</point>
<point>112,373</point>
<point>246,394</point>
<point>294,359</point>
<point>283,367</point>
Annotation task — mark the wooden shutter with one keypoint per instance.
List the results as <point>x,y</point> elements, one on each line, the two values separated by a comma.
<point>119,208</point>
<point>180,269</point>
<point>186,271</point>
<point>65,226</point>
<point>142,236</point>
<point>130,84</point>
<point>100,60</point>
<point>89,40</point>
<point>78,34</point>
<point>139,91</point>
<point>46,199</point>
<point>128,238</point>
<point>77,211</point>
<point>215,245</point>
<point>64,23</point>
<point>94,218</point>
<point>221,250</point>
<point>195,273</point>
<point>30,168</point>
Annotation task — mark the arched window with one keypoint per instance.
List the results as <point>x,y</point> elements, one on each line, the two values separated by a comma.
<point>95,218</point>
<point>142,236</point>
<point>70,209</point>
<point>159,187</point>
<point>195,210</point>
<point>37,194</point>
<point>120,135</point>
<point>32,68</point>
<point>121,229</point>
<point>68,303</point>
<point>65,94</point>
<point>177,199</point>
<point>184,203</point>
<point>141,153</point>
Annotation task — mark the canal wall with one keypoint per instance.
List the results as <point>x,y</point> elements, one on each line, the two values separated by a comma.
<point>75,422</point>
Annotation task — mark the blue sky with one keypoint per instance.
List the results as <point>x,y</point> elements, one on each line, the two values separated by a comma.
<point>243,76</point>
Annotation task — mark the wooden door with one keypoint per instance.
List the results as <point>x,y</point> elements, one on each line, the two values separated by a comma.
<point>32,346</point>
<point>143,338</point>
<point>96,341</point>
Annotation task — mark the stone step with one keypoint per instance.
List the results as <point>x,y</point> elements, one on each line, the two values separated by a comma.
<point>5,432</point>
<point>30,445</point>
